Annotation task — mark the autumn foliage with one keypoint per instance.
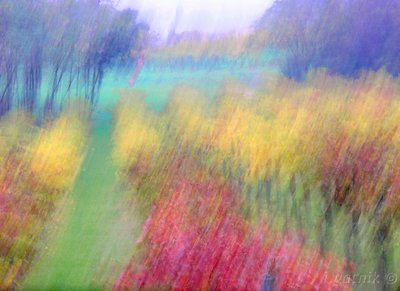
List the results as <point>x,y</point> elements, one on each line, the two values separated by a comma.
<point>209,166</point>
<point>194,238</point>
<point>37,167</point>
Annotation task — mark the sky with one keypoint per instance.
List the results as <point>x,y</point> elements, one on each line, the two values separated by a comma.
<point>208,16</point>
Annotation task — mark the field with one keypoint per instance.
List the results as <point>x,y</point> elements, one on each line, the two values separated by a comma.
<point>262,160</point>
<point>273,149</point>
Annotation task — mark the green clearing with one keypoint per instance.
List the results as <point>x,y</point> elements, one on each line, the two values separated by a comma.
<point>91,245</point>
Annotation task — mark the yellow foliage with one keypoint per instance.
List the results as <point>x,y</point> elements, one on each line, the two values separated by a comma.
<point>35,164</point>
<point>289,127</point>
<point>186,113</point>
<point>57,152</point>
<point>135,135</point>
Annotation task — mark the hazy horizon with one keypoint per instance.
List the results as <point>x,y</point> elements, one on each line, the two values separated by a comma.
<point>207,16</point>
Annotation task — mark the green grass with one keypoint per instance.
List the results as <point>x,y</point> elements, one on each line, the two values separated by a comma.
<point>96,235</point>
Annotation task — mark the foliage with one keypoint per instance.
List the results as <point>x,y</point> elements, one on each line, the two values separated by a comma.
<point>345,37</point>
<point>57,151</point>
<point>327,143</point>
<point>62,47</point>
<point>194,239</point>
<point>136,138</point>
<point>36,167</point>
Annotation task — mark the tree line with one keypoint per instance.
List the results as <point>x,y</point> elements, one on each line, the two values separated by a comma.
<point>51,50</point>
<point>345,37</point>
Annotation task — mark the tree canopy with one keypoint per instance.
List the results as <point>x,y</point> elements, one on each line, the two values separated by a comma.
<point>344,36</point>
<point>69,44</point>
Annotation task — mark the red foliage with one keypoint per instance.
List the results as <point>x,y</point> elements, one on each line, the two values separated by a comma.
<point>298,268</point>
<point>195,239</point>
<point>20,215</point>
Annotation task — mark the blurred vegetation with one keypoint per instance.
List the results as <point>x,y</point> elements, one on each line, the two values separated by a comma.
<point>37,166</point>
<point>345,37</point>
<point>52,50</point>
<point>317,160</point>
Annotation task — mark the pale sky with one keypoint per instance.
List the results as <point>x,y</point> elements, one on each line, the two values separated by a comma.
<point>209,16</point>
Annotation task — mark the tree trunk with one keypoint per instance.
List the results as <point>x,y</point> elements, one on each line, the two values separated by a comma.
<point>6,97</point>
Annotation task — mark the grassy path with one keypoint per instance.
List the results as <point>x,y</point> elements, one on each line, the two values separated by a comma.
<point>94,240</point>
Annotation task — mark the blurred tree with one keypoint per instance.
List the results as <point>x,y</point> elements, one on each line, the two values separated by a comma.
<point>343,36</point>
<point>69,44</point>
